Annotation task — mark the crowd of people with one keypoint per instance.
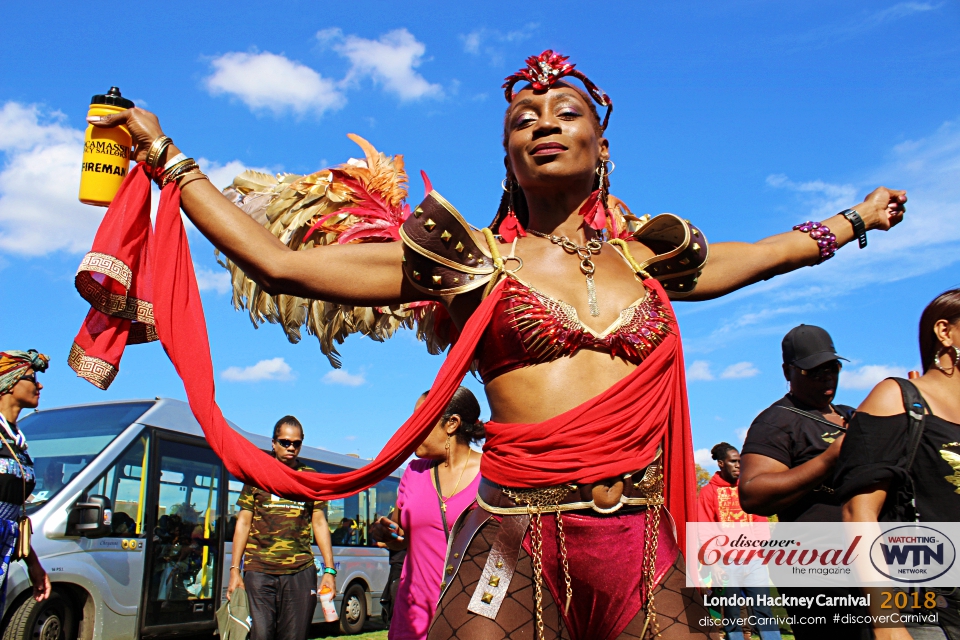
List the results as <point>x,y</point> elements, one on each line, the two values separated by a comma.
<point>571,524</point>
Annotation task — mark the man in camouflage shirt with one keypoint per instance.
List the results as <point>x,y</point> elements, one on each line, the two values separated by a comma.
<point>275,536</point>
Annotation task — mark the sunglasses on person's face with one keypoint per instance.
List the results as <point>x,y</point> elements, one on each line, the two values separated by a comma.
<point>30,378</point>
<point>824,371</point>
<point>287,444</point>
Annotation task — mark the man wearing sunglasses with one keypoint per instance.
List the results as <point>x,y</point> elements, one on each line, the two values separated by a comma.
<point>272,549</point>
<point>787,460</point>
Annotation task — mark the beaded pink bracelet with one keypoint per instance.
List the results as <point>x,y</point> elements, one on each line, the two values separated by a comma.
<point>821,233</point>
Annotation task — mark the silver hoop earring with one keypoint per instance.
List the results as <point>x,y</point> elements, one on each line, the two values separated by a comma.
<point>503,185</point>
<point>603,167</point>
<point>954,359</point>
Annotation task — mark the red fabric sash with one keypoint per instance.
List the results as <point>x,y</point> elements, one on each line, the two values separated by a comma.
<point>125,244</point>
<point>146,279</point>
<point>611,434</point>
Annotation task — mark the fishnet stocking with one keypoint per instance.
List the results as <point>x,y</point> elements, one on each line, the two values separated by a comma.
<point>677,608</point>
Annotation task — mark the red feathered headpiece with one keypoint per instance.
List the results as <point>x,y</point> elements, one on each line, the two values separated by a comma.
<point>544,70</point>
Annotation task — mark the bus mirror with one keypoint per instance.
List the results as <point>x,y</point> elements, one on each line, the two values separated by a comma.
<point>91,518</point>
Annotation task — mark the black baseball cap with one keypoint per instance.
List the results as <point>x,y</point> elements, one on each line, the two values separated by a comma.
<point>807,346</point>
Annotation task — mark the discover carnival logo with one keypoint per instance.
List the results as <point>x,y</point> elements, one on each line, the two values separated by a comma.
<point>912,553</point>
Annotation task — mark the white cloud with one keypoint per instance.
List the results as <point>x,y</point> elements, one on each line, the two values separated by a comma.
<point>699,370</point>
<point>389,61</point>
<point>869,375</point>
<point>490,42</point>
<point>210,280</point>
<point>270,82</point>
<point>703,458</point>
<point>40,182</point>
<point>273,369</point>
<point>739,370</point>
<point>344,377</point>
<point>825,199</point>
<point>830,34</point>
<point>930,167</point>
<point>222,175</point>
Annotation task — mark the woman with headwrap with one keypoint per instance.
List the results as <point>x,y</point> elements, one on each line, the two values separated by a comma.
<point>19,389</point>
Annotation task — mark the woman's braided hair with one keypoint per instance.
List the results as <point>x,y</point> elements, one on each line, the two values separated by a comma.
<point>464,405</point>
<point>519,200</point>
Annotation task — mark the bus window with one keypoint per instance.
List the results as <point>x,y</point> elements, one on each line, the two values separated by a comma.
<point>234,487</point>
<point>64,441</point>
<point>125,485</point>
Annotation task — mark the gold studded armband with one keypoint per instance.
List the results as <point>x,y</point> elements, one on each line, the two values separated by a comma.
<point>681,253</point>
<point>440,255</point>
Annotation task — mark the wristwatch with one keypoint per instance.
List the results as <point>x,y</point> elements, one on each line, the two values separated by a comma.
<point>859,229</point>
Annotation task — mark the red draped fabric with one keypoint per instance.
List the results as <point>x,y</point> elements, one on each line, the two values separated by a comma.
<point>611,434</point>
<point>616,432</point>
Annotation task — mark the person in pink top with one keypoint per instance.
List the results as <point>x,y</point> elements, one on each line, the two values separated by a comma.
<point>434,491</point>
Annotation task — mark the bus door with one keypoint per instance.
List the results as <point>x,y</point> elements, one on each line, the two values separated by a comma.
<point>119,554</point>
<point>183,561</point>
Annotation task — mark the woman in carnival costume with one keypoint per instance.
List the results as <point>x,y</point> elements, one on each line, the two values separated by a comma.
<point>564,304</point>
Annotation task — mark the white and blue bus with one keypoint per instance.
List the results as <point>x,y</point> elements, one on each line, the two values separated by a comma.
<point>133,518</point>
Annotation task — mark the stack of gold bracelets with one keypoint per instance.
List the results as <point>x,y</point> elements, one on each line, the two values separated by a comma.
<point>175,170</point>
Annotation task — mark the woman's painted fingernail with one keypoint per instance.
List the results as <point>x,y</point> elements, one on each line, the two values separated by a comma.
<point>93,119</point>
<point>394,535</point>
<point>393,526</point>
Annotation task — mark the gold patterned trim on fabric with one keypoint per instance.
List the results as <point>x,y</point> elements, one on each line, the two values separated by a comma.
<point>112,304</point>
<point>140,333</point>
<point>108,266</point>
<point>98,372</point>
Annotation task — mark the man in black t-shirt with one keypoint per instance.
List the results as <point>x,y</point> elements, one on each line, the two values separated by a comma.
<point>787,460</point>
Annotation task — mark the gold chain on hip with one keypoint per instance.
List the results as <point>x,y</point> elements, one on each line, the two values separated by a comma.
<point>650,546</point>
<point>544,499</point>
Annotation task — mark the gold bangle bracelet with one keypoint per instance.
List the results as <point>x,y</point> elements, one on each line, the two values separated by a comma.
<point>155,151</point>
<point>179,171</point>
<point>175,168</point>
<point>193,176</point>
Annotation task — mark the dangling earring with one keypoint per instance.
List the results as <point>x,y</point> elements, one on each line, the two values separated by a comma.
<point>446,454</point>
<point>594,210</point>
<point>510,227</point>
<point>954,359</point>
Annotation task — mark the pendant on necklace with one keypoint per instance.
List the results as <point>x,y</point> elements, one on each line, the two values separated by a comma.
<point>443,505</point>
<point>592,296</point>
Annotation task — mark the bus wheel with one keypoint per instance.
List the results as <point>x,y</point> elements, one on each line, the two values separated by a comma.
<point>52,619</point>
<point>353,610</point>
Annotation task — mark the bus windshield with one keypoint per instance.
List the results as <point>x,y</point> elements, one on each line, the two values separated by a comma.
<point>62,442</point>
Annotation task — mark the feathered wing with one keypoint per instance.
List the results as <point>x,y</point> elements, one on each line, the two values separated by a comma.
<point>359,201</point>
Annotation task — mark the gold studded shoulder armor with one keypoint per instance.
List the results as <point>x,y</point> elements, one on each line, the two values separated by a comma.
<point>440,255</point>
<point>681,250</point>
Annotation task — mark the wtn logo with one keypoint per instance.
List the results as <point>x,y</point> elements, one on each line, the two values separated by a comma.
<point>912,553</point>
<point>899,554</point>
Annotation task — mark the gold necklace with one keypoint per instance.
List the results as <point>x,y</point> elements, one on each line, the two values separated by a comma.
<point>443,501</point>
<point>592,247</point>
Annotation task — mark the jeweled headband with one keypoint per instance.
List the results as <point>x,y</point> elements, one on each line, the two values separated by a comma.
<point>543,71</point>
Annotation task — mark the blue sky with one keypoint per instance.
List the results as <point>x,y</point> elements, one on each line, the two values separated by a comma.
<point>746,117</point>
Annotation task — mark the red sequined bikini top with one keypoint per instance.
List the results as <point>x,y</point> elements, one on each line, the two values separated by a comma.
<point>529,327</point>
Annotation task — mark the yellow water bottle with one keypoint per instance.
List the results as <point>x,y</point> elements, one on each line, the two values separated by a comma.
<point>106,152</point>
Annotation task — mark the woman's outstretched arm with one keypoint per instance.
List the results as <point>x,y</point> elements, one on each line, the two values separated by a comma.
<point>367,274</point>
<point>734,265</point>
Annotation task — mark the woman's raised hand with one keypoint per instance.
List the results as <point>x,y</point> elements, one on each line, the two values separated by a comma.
<point>143,126</point>
<point>883,208</point>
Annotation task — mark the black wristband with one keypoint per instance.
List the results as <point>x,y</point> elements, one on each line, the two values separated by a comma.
<point>859,229</point>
